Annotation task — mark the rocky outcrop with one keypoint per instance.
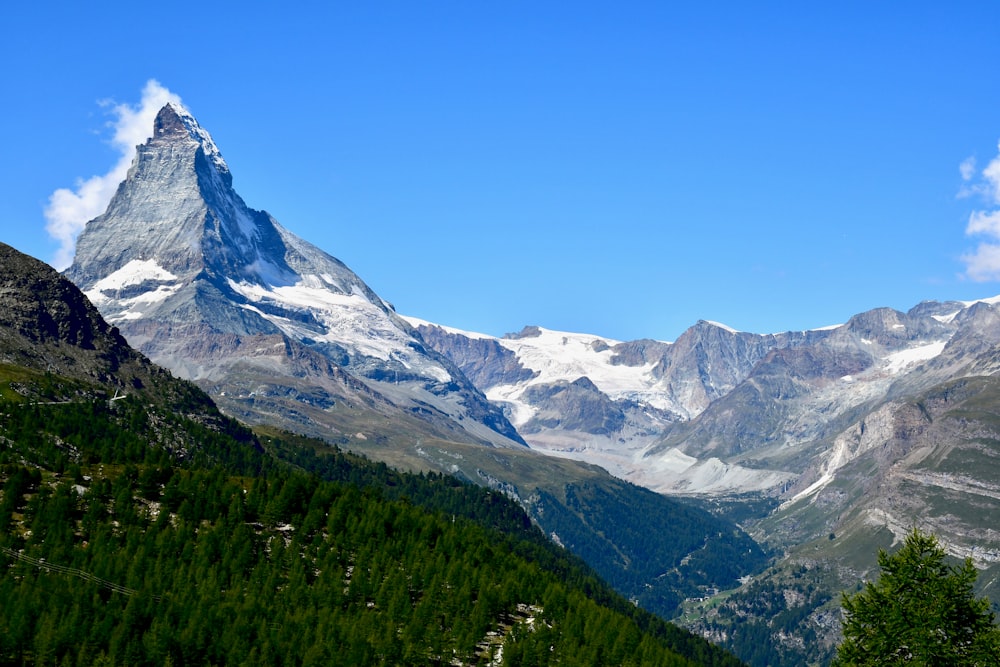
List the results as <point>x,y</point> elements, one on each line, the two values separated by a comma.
<point>577,406</point>
<point>483,360</point>
<point>48,326</point>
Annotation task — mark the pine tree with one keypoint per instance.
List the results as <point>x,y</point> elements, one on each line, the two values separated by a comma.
<point>921,611</point>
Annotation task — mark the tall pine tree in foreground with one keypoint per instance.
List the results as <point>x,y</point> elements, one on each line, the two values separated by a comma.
<point>921,611</point>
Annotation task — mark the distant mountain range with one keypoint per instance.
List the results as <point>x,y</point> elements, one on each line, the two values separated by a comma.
<point>718,411</point>
<point>830,442</point>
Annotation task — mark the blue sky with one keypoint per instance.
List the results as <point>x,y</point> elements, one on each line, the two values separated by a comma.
<point>622,169</point>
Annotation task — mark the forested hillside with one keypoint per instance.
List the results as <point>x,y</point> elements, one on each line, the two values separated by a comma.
<point>133,535</point>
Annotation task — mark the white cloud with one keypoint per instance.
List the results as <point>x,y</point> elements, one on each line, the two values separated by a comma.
<point>992,175</point>
<point>69,210</point>
<point>984,222</point>
<point>983,265</point>
<point>967,168</point>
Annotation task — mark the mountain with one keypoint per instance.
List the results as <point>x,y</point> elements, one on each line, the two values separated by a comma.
<point>140,526</point>
<point>282,334</point>
<point>824,444</point>
<point>272,326</point>
<point>610,402</point>
<point>716,412</point>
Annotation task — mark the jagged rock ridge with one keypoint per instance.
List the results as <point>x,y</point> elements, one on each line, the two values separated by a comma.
<point>717,411</point>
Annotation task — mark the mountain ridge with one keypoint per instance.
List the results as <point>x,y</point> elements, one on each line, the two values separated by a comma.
<point>795,424</point>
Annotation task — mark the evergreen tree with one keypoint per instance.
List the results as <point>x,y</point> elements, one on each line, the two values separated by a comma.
<point>921,611</point>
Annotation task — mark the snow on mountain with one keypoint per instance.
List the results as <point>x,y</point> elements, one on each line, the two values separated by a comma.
<point>897,362</point>
<point>114,288</point>
<point>350,320</point>
<point>683,417</point>
<point>558,356</point>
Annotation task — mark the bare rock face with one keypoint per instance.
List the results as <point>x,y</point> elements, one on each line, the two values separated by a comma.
<point>577,405</point>
<point>483,360</point>
<point>223,295</point>
<point>48,326</point>
<point>168,125</point>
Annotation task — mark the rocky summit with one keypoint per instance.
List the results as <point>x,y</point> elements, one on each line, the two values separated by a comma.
<point>274,328</point>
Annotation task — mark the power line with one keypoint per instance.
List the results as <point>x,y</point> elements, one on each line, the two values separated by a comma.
<point>53,567</point>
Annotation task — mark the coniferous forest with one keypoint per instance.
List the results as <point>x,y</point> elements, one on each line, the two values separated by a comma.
<point>132,534</point>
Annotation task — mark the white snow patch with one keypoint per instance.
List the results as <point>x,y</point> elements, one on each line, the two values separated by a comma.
<point>134,273</point>
<point>946,319</point>
<point>417,322</point>
<point>900,361</point>
<point>722,326</point>
<point>561,356</point>
<point>350,320</point>
<point>992,301</point>
<point>270,273</point>
<point>127,307</point>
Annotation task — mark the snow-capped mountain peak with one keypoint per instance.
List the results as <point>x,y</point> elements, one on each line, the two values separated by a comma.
<point>221,293</point>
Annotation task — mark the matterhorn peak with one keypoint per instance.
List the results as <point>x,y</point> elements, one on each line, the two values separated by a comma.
<point>176,210</point>
<point>221,293</point>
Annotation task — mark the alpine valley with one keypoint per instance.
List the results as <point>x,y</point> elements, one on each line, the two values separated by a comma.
<point>281,334</point>
<point>656,462</point>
